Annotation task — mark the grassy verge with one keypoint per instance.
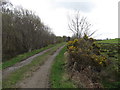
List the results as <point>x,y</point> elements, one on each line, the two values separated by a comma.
<point>59,77</point>
<point>22,57</point>
<point>110,41</point>
<point>110,49</point>
<point>26,71</point>
<point>108,84</point>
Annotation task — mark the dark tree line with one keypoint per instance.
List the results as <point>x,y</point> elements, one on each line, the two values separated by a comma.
<point>23,31</point>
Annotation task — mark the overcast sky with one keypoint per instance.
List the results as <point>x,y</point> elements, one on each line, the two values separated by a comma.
<point>102,14</point>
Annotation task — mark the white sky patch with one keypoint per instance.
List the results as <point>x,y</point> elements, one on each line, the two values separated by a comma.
<point>103,15</point>
<point>105,18</point>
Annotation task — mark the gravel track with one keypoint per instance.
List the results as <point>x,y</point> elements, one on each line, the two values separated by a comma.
<point>39,78</point>
<point>18,65</point>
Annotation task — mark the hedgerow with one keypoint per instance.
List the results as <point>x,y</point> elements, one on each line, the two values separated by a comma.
<point>84,53</point>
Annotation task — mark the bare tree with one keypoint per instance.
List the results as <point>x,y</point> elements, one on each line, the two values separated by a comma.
<point>80,26</point>
<point>23,31</point>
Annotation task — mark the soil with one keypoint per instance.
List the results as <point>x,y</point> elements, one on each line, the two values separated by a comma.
<point>18,65</point>
<point>39,78</point>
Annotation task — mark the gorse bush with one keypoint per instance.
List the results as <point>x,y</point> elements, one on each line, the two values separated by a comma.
<point>84,53</point>
<point>84,57</point>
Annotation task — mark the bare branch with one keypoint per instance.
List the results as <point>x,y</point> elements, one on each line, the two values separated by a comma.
<point>80,26</point>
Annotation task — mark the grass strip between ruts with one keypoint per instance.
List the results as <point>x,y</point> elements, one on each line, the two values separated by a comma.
<point>23,56</point>
<point>25,71</point>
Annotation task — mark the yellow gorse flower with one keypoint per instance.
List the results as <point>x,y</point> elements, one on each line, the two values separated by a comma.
<point>71,47</point>
<point>76,40</point>
<point>70,43</point>
<point>100,62</point>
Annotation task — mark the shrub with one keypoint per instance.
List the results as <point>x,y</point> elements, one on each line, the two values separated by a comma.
<point>85,52</point>
<point>96,61</point>
<point>83,55</point>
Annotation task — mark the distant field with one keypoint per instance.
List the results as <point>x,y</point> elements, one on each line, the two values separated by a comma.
<point>110,41</point>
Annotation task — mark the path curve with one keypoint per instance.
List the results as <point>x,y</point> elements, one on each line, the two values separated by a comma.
<point>39,78</point>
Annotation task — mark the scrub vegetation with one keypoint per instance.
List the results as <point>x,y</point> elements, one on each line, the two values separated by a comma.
<point>97,62</point>
<point>84,62</point>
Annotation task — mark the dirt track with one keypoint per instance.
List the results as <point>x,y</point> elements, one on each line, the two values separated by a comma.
<point>18,65</point>
<point>39,78</point>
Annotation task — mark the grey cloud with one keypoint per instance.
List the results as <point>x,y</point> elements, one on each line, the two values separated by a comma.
<point>82,6</point>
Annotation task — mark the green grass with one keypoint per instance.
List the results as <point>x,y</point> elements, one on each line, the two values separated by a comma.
<point>111,84</point>
<point>59,77</point>
<point>21,57</point>
<point>109,48</point>
<point>25,71</point>
<point>110,41</point>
